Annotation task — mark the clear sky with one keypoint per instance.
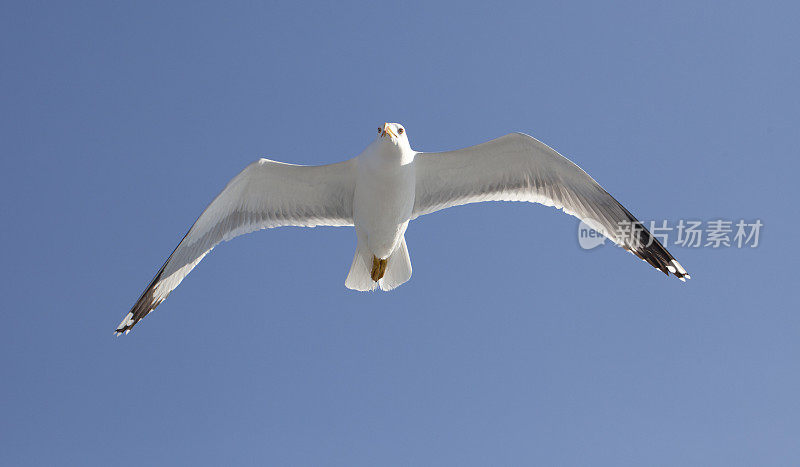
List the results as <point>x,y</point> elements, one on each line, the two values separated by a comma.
<point>509,346</point>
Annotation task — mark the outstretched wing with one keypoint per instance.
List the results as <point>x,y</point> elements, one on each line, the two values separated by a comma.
<point>265,194</point>
<point>517,167</point>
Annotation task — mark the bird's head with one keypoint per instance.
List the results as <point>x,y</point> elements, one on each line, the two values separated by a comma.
<point>393,133</point>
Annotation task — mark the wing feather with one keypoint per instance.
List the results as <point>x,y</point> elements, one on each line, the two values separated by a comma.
<point>266,194</point>
<point>517,167</point>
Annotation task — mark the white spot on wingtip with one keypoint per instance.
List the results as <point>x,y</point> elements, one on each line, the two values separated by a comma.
<point>127,331</point>
<point>126,321</point>
<point>679,267</point>
<point>671,269</point>
<point>682,279</point>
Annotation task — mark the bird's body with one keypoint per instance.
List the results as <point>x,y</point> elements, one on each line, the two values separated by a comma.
<point>384,196</point>
<point>384,188</point>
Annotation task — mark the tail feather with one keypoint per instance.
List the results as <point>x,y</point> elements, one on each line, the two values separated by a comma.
<point>359,277</point>
<point>398,269</point>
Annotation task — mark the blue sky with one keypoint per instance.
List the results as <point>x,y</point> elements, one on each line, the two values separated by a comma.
<point>509,346</point>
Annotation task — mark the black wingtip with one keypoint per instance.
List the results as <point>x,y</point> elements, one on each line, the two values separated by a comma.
<point>147,302</point>
<point>654,253</point>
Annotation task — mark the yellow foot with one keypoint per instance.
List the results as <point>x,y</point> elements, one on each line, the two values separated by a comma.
<point>378,268</point>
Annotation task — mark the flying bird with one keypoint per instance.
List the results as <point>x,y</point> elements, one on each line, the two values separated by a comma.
<point>384,188</point>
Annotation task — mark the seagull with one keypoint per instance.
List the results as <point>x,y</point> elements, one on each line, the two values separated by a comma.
<point>384,188</point>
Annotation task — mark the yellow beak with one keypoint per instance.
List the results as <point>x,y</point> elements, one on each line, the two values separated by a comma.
<point>387,129</point>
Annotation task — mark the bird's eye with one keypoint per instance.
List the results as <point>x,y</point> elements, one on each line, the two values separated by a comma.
<point>401,130</point>
<point>379,130</point>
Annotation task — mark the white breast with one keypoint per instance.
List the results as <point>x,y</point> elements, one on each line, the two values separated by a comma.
<point>384,198</point>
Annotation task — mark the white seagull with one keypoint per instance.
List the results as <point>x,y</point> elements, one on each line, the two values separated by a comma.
<point>385,187</point>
